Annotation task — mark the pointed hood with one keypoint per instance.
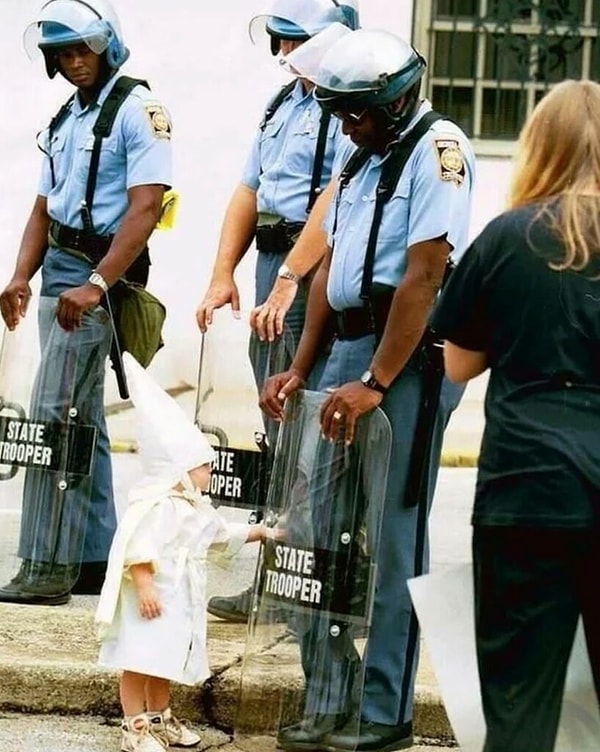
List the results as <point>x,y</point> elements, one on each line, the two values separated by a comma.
<point>169,443</point>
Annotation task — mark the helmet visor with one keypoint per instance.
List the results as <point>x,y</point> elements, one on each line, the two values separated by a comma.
<point>305,60</point>
<point>363,61</point>
<point>309,16</point>
<point>64,22</point>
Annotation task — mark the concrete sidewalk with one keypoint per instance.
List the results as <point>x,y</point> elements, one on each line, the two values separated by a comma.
<point>48,655</point>
<point>48,665</point>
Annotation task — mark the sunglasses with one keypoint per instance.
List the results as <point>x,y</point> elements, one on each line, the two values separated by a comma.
<point>353,117</point>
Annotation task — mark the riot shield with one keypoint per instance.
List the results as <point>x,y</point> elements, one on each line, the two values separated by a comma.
<point>233,367</point>
<point>46,458</point>
<point>444,605</point>
<point>317,567</point>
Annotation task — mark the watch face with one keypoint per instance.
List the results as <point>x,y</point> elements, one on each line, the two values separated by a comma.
<point>371,382</point>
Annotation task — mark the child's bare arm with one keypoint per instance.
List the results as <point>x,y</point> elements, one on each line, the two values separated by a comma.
<point>264,533</point>
<point>143,580</point>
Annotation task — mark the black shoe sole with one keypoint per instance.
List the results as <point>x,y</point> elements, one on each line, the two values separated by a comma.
<point>235,618</point>
<point>405,743</point>
<point>31,599</point>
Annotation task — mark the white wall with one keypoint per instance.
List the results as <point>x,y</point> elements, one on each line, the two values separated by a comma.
<point>199,60</point>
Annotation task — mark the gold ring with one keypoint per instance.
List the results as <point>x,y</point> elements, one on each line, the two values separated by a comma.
<point>337,415</point>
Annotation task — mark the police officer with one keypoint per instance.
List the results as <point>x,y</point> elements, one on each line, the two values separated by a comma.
<point>378,282</point>
<point>291,159</point>
<point>82,41</point>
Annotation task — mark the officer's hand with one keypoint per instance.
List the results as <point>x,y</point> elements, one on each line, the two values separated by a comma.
<point>267,319</point>
<point>14,300</point>
<point>276,390</point>
<point>72,304</point>
<point>218,294</point>
<point>343,408</point>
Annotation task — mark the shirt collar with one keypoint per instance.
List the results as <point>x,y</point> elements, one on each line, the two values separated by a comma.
<point>77,108</point>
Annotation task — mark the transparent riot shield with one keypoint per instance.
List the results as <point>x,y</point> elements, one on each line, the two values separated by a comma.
<point>317,568</point>
<point>233,367</point>
<point>46,458</point>
<point>444,605</point>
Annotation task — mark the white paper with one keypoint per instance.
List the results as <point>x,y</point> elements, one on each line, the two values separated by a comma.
<point>444,605</point>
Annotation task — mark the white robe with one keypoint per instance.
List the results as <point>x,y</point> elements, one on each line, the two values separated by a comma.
<point>174,535</point>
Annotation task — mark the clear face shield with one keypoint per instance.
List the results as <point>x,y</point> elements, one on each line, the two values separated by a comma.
<point>305,60</point>
<point>66,22</point>
<point>310,16</point>
<point>354,62</point>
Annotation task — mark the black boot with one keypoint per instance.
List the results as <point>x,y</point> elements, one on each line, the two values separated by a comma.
<point>236,608</point>
<point>39,583</point>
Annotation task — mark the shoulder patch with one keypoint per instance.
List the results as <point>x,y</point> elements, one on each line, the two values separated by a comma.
<point>159,120</point>
<point>450,159</point>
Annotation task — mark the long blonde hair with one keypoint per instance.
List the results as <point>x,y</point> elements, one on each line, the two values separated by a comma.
<point>558,157</point>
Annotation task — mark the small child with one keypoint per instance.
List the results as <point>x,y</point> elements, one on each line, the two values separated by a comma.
<point>151,615</point>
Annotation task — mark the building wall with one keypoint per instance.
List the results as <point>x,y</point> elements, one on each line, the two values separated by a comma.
<point>200,62</point>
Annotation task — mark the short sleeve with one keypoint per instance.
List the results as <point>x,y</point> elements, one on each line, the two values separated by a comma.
<point>460,315</point>
<point>147,131</point>
<point>251,171</point>
<point>440,196</point>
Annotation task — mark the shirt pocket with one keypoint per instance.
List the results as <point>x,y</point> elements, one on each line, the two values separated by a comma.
<point>302,145</point>
<point>112,166</point>
<point>270,146</point>
<point>396,215</point>
<point>55,150</point>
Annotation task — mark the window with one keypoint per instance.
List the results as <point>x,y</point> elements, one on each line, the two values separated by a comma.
<point>490,61</point>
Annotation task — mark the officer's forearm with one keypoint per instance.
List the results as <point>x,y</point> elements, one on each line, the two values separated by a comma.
<point>34,241</point>
<point>130,239</point>
<point>237,232</point>
<point>311,245</point>
<point>406,322</point>
<point>316,323</point>
<point>411,308</point>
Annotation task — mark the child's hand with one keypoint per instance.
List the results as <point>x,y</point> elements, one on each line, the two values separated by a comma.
<point>148,601</point>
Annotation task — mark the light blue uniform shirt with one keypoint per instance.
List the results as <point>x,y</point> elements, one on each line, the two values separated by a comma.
<point>431,200</point>
<point>137,152</point>
<point>279,167</point>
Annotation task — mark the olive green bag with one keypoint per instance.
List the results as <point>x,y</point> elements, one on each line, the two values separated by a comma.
<point>138,321</point>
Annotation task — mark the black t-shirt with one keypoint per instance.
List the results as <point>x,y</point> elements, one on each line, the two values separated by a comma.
<point>540,329</point>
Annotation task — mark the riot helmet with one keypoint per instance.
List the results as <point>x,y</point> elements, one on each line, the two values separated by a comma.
<point>364,70</point>
<point>65,22</point>
<point>299,20</point>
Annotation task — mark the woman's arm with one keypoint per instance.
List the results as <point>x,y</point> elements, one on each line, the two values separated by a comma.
<point>462,365</point>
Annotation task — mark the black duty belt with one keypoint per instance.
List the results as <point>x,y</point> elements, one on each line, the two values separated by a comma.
<point>95,248</point>
<point>279,238</point>
<point>353,323</point>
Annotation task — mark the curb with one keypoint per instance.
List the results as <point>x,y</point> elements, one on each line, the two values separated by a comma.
<point>79,688</point>
<point>449,459</point>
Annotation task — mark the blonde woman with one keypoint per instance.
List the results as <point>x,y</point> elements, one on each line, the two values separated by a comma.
<point>525,303</point>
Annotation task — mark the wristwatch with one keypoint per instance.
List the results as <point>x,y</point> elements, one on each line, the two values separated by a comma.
<point>285,272</point>
<point>98,280</point>
<point>371,382</point>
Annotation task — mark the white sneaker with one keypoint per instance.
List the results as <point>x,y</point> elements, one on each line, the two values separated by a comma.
<point>172,731</point>
<point>136,736</point>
